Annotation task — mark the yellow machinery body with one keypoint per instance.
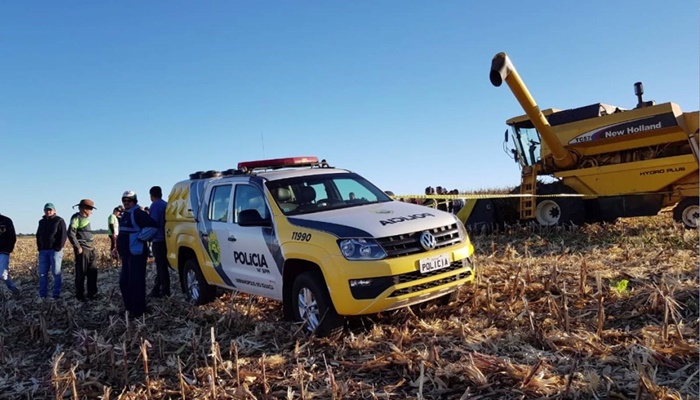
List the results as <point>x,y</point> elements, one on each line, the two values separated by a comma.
<point>620,162</point>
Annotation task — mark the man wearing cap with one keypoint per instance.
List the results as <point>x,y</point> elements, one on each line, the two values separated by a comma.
<point>136,229</point>
<point>8,238</point>
<point>50,238</point>
<point>80,236</point>
<point>113,227</point>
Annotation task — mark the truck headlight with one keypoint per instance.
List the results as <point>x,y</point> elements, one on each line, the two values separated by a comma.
<point>463,235</point>
<point>361,249</point>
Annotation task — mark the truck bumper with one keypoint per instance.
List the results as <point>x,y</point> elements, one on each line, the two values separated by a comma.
<point>371,287</point>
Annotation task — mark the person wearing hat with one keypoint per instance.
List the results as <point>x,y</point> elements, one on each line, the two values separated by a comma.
<point>80,236</point>
<point>8,238</point>
<point>113,226</point>
<point>50,238</point>
<point>136,229</point>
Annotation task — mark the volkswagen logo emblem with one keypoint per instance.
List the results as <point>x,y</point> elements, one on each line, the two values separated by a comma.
<point>427,240</point>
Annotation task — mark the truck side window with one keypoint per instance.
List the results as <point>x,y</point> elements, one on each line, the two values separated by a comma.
<point>219,203</point>
<point>249,197</point>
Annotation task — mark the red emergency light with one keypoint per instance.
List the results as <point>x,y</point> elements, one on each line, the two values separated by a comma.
<point>275,163</point>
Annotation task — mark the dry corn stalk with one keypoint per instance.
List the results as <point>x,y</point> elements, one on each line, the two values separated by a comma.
<point>479,326</point>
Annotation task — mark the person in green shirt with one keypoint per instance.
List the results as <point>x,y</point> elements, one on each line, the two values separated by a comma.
<point>113,227</point>
<point>80,236</point>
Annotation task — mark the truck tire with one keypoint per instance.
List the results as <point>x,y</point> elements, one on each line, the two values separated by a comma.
<point>196,288</point>
<point>559,210</point>
<point>312,305</point>
<point>687,211</point>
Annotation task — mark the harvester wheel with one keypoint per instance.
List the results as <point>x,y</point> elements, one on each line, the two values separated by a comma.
<point>559,210</point>
<point>548,212</point>
<point>687,211</point>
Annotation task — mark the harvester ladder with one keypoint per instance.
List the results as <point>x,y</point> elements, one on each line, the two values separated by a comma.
<point>528,189</point>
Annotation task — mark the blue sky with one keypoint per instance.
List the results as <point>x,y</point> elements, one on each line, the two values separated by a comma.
<point>97,97</point>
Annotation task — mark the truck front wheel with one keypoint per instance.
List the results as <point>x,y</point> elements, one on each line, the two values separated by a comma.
<point>687,212</point>
<point>312,305</point>
<point>197,290</point>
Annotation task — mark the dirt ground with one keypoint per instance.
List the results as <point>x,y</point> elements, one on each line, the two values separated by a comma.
<point>600,311</point>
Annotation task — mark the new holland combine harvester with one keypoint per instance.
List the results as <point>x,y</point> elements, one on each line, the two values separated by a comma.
<point>606,162</point>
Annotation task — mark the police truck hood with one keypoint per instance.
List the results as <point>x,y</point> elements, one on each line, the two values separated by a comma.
<point>375,220</point>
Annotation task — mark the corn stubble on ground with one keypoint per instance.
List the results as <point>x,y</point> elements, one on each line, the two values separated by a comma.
<point>605,311</point>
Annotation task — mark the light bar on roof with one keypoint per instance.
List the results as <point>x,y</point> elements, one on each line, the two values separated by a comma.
<point>278,163</point>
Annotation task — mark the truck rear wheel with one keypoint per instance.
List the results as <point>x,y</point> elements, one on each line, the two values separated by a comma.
<point>687,211</point>
<point>312,305</point>
<point>197,290</point>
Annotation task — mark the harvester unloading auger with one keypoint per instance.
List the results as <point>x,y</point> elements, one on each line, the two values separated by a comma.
<point>606,162</point>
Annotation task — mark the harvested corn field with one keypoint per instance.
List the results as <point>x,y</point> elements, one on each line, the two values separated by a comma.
<point>601,311</point>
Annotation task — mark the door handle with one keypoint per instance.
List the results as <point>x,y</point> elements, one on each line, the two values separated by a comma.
<point>231,238</point>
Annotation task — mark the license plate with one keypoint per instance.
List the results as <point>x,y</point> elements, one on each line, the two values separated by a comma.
<point>430,264</point>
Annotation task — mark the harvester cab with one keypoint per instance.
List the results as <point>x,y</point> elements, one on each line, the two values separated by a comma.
<point>526,143</point>
<point>605,162</point>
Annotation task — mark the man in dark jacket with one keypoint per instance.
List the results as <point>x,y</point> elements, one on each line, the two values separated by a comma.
<point>50,238</point>
<point>80,236</point>
<point>135,230</point>
<point>161,286</point>
<point>8,238</point>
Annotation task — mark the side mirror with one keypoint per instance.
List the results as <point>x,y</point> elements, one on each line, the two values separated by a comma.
<point>252,218</point>
<point>505,136</point>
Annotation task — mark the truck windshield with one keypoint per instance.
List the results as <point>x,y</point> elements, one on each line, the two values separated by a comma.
<point>315,193</point>
<point>526,145</point>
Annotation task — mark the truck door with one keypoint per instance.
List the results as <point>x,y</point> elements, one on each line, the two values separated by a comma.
<point>253,249</point>
<point>218,217</point>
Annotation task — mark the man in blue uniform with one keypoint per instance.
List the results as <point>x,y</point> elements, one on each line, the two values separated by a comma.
<point>136,228</point>
<point>161,285</point>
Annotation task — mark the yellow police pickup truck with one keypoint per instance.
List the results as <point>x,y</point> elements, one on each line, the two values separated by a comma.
<point>324,241</point>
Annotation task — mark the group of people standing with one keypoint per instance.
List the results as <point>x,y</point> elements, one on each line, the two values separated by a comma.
<point>452,206</point>
<point>131,229</point>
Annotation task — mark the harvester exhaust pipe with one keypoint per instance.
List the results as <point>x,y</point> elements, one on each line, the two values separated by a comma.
<point>503,70</point>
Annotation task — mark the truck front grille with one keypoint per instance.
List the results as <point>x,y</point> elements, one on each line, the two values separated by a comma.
<point>408,243</point>
<point>377,285</point>
<point>412,276</point>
